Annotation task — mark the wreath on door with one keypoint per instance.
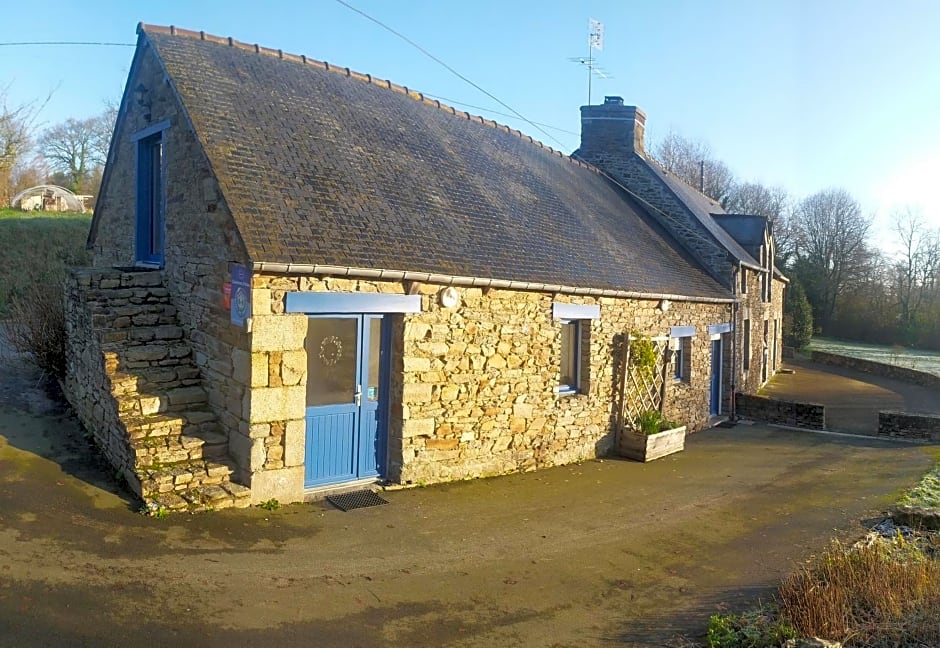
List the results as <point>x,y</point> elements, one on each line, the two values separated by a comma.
<point>331,350</point>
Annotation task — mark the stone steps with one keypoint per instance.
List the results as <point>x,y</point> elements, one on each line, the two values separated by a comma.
<point>172,399</point>
<point>170,449</point>
<point>178,452</point>
<point>192,422</point>
<point>126,316</point>
<point>154,379</point>
<point>200,498</point>
<point>191,485</point>
<point>141,335</point>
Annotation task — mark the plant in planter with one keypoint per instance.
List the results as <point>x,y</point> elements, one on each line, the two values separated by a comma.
<point>652,422</point>
<point>652,436</point>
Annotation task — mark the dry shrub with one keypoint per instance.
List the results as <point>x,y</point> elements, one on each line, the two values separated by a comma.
<point>883,594</point>
<point>36,322</point>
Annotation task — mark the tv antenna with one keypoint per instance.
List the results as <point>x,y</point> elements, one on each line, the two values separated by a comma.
<point>595,43</point>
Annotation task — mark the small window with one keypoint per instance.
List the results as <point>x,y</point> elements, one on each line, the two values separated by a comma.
<point>570,357</point>
<point>743,281</point>
<point>747,344</point>
<point>776,337</point>
<point>682,358</point>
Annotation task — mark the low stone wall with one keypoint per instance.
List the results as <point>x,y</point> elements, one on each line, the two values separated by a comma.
<point>89,366</point>
<point>878,368</point>
<point>909,426</point>
<point>805,415</point>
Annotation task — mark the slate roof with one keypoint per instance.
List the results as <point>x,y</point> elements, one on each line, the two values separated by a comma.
<point>320,165</point>
<point>704,209</point>
<point>747,229</point>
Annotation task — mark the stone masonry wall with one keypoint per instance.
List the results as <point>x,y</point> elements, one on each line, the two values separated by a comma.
<point>772,410</point>
<point>201,244</point>
<point>909,426</point>
<point>753,307</point>
<point>472,388</point>
<point>87,384</point>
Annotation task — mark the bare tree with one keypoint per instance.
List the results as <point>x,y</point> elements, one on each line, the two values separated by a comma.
<point>916,266</point>
<point>831,248</point>
<point>77,146</point>
<point>15,128</point>
<point>692,162</point>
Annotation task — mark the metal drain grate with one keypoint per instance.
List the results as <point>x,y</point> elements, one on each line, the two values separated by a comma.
<point>354,500</point>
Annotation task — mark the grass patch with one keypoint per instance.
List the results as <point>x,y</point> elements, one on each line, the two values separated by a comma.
<point>880,594</point>
<point>926,494</point>
<point>35,248</point>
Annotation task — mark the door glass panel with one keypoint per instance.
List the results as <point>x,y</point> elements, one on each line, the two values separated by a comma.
<point>375,344</point>
<point>332,359</point>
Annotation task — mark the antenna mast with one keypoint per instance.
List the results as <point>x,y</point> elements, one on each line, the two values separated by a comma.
<point>595,43</point>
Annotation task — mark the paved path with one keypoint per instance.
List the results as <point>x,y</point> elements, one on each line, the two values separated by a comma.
<point>852,398</point>
<point>603,553</point>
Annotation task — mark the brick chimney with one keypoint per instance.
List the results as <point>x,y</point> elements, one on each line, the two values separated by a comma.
<point>611,129</point>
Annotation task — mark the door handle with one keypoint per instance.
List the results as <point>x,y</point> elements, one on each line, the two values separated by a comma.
<point>358,395</point>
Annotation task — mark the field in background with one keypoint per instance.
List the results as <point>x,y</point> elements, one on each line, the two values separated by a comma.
<point>35,246</point>
<point>920,360</point>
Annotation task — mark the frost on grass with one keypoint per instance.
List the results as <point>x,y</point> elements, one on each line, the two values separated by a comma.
<point>926,494</point>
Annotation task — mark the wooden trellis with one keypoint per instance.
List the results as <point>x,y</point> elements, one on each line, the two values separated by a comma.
<point>642,389</point>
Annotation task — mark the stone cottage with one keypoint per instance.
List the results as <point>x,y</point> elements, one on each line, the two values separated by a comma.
<point>308,278</point>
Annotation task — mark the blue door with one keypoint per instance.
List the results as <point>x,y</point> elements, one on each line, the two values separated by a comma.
<point>149,228</point>
<point>346,377</point>
<point>715,399</point>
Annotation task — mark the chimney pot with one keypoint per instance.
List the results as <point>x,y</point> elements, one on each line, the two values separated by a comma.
<point>613,101</point>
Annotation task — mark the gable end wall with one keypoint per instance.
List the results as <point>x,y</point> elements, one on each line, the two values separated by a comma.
<point>201,241</point>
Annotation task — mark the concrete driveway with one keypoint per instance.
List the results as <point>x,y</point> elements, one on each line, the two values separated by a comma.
<point>852,398</point>
<point>604,553</point>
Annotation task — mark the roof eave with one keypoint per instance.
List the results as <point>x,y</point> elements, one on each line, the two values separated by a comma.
<point>474,282</point>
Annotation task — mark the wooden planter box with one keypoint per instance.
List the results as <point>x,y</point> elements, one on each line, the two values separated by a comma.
<point>646,447</point>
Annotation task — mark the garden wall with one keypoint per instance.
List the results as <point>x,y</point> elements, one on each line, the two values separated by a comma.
<point>878,368</point>
<point>805,415</point>
<point>909,426</point>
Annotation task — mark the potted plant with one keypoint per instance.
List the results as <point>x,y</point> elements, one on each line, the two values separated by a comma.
<point>651,436</point>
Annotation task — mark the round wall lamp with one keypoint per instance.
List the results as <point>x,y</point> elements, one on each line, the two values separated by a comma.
<point>449,297</point>
<point>664,305</point>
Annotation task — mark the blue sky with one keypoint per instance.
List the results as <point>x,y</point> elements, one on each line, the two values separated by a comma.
<point>807,95</point>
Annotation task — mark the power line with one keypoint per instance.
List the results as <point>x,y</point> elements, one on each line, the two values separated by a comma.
<point>451,70</point>
<point>496,112</point>
<point>91,43</point>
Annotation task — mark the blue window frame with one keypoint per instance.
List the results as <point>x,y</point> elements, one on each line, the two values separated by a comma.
<point>678,360</point>
<point>682,357</point>
<point>570,382</point>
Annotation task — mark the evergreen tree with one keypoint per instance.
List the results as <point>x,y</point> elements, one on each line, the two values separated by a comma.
<point>797,317</point>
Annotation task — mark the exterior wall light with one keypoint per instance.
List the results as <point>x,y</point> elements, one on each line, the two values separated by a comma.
<point>449,297</point>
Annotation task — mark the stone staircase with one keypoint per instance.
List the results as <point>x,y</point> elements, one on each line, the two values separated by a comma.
<point>168,443</point>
